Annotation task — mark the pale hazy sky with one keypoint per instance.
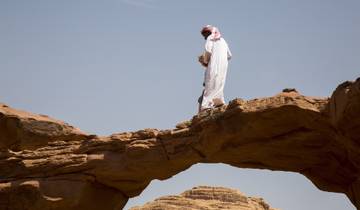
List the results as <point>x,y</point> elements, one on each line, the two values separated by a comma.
<point>121,65</point>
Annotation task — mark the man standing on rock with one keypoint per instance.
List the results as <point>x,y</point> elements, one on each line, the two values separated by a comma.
<point>215,59</point>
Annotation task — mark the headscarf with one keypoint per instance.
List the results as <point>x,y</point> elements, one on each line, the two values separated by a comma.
<point>215,33</point>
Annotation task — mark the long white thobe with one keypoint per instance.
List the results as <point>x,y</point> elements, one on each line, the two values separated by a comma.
<point>215,73</point>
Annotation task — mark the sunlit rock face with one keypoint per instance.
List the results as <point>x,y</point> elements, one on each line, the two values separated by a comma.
<point>206,198</point>
<point>48,164</point>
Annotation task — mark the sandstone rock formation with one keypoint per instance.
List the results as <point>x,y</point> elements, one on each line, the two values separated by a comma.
<point>47,164</point>
<point>206,198</point>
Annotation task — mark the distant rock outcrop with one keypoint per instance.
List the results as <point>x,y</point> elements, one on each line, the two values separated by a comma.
<point>206,198</point>
<point>47,164</point>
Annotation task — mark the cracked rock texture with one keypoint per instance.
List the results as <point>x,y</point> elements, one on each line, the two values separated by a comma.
<point>206,198</point>
<point>48,164</point>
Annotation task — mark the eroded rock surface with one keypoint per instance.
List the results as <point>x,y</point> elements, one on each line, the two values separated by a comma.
<point>47,164</point>
<point>206,198</point>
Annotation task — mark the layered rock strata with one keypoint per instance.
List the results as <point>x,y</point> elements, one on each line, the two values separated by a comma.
<point>47,164</point>
<point>206,198</point>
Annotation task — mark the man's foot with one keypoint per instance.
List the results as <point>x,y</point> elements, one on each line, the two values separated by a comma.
<point>218,102</point>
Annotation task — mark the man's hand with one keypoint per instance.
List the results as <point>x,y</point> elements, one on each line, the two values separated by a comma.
<point>202,61</point>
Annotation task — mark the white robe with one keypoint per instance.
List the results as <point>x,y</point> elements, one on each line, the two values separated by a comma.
<point>215,73</point>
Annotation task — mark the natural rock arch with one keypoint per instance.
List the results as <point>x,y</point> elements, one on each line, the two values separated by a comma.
<point>47,164</point>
